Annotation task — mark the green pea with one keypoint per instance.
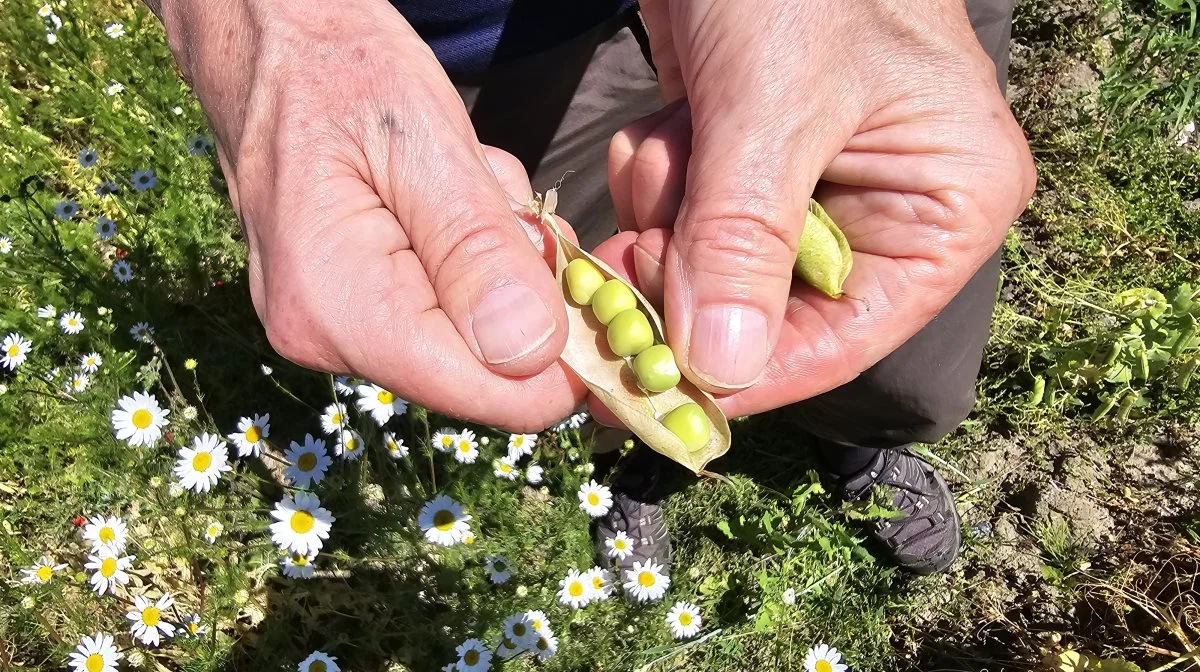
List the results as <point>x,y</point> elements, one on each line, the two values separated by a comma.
<point>655,368</point>
<point>611,298</point>
<point>690,424</point>
<point>583,279</point>
<point>629,333</point>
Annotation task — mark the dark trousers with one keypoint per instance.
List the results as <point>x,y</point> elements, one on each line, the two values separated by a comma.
<point>557,111</point>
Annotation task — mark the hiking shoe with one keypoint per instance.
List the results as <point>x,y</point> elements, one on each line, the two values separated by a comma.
<point>636,511</point>
<point>927,538</point>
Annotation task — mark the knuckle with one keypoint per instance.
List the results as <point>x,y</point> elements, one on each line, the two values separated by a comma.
<point>739,247</point>
<point>468,250</point>
<point>292,333</point>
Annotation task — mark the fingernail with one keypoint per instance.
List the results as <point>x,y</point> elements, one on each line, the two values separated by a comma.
<point>511,322</point>
<point>729,345</point>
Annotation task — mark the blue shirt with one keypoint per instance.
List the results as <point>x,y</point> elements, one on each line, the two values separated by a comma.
<point>469,35</point>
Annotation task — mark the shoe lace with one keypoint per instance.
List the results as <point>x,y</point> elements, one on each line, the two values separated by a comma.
<point>913,493</point>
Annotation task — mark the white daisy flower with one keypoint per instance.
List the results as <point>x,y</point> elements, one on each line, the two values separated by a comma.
<point>788,597</point>
<point>620,546</point>
<point>684,620</point>
<point>114,30</point>
<point>576,421</point>
<point>302,525</point>
<point>824,658</point>
<point>350,445</point>
<point>319,661</point>
<point>78,383</point>
<point>473,656</point>
<point>595,499</point>
<point>142,331</point>
<point>575,590</point>
<point>138,420</point>
<point>520,444</point>
<point>503,468</point>
<point>121,271</point>
<point>297,566</point>
<point>466,448</point>
<point>538,621</point>
<point>106,532</point>
<point>52,38</point>
<point>334,419</point>
<point>105,228</point>
<point>214,530</point>
<point>497,568</point>
<point>45,10</point>
<point>445,440</point>
<point>114,88</point>
<point>395,447</point>
<point>148,624</point>
<point>47,311</point>
<point>518,628</point>
<point>96,653</point>
<point>545,646</point>
<point>646,582</point>
<point>343,386</point>
<point>380,403</point>
<point>15,350</point>
<point>5,245</point>
<point>602,582</point>
<point>443,522</point>
<point>190,626</point>
<point>250,434</point>
<point>307,462</point>
<point>91,362</point>
<point>108,570</point>
<point>533,474</point>
<point>507,649</point>
<point>199,467</point>
<point>41,572</point>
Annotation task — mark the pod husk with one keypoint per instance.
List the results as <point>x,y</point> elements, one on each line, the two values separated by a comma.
<point>823,257</point>
<point>612,379</point>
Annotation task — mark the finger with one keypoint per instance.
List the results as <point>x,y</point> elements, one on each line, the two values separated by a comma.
<point>660,170</point>
<point>621,152</point>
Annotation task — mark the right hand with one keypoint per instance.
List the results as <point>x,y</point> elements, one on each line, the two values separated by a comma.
<point>383,237</point>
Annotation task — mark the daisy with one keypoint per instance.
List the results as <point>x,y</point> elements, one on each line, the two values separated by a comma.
<point>143,179</point>
<point>105,228</point>
<point>106,532</point>
<point>114,30</point>
<point>443,521</point>
<point>343,386</point>
<point>114,88</point>
<point>138,420</point>
<point>199,467</point>
<point>71,322</point>
<point>148,624</point>
<point>620,546</point>
<point>78,383</point>
<point>533,475</point>
<point>42,571</point>
<point>466,448</point>
<point>497,568</point>
<point>445,440</point>
<point>684,620</point>
<point>518,628</point>
<point>334,418</point>
<point>302,525</point>
<point>87,157</point>
<point>520,444</point>
<point>65,210</point>
<point>602,582</point>
<point>5,245</point>
<point>45,10</point>
<point>47,311</point>
<point>646,582</point>
<point>16,349</point>
<point>122,272</point>
<point>503,468</point>
<point>190,625</point>
<point>213,531</point>
<point>95,654</point>
<point>197,145</point>
<point>473,656</point>
<point>319,661</point>
<point>142,331</point>
<point>380,403</point>
<point>250,434</point>
<point>508,649</point>
<point>307,462</point>
<point>595,499</point>
<point>575,590</point>
<point>109,570</point>
<point>350,445</point>
<point>91,362</point>
<point>545,646</point>
<point>824,658</point>
<point>395,447</point>
<point>297,566</point>
<point>538,621</point>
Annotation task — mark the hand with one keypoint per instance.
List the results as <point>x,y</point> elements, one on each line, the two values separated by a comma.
<point>892,104</point>
<point>382,240</point>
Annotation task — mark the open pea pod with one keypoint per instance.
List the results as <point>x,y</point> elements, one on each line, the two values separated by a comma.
<point>610,377</point>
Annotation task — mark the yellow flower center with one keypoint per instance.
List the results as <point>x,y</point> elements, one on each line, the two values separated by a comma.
<point>14,350</point>
<point>301,522</point>
<point>300,560</point>
<point>447,441</point>
<point>108,567</point>
<point>107,535</point>
<point>252,434</point>
<point>351,445</point>
<point>464,446</point>
<point>201,461</point>
<point>443,520</point>
<point>518,442</point>
<point>317,666</point>
<point>646,579</point>
<point>471,657</point>
<point>505,468</point>
<point>597,582</point>
<point>336,419</point>
<point>193,627</point>
<point>385,397</point>
<point>141,418</point>
<point>518,629</point>
<point>823,666</point>
<point>307,461</point>
<point>619,544</point>
<point>469,539</point>
<point>94,663</point>
<point>150,616</point>
<point>543,644</point>
<point>44,573</point>
<point>392,447</point>
<point>685,619</point>
<point>575,589</point>
<point>593,499</point>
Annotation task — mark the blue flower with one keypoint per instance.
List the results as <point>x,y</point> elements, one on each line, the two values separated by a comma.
<point>143,179</point>
<point>106,188</point>
<point>105,228</point>
<point>87,157</point>
<point>198,145</point>
<point>66,209</point>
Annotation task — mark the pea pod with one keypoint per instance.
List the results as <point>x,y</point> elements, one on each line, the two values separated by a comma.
<point>1038,391</point>
<point>611,378</point>
<point>823,257</point>
<point>1186,334</point>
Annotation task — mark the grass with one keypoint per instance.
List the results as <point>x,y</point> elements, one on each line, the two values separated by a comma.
<point>1115,211</point>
